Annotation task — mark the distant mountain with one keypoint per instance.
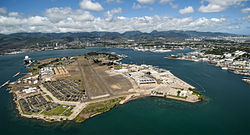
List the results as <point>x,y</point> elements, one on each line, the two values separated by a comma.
<point>115,35</point>
<point>16,39</point>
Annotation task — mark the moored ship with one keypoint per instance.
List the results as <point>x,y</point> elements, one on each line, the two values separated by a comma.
<point>27,61</point>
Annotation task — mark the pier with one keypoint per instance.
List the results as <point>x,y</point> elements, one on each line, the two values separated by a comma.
<point>5,84</point>
<point>16,74</point>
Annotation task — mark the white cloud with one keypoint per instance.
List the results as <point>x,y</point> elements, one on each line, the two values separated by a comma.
<point>246,18</point>
<point>59,14</point>
<point>150,8</point>
<point>218,5</point>
<point>146,1</point>
<point>3,10</point>
<point>38,20</point>
<point>109,14</point>
<point>114,1</point>
<point>186,10</point>
<point>245,10</point>
<point>13,14</point>
<point>138,6</point>
<point>89,5</point>
<point>69,20</point>
<point>164,1</point>
<point>211,8</point>
<point>173,5</point>
<point>170,3</point>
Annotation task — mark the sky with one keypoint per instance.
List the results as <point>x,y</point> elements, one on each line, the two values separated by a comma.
<point>230,16</point>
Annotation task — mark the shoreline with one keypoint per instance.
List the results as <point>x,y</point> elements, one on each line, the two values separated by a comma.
<point>62,118</point>
<point>212,63</point>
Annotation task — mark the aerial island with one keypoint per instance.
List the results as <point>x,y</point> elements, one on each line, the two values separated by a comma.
<point>79,87</point>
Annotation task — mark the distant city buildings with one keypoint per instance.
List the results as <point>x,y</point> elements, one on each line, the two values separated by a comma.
<point>237,61</point>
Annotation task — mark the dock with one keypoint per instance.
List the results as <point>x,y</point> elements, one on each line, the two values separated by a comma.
<point>16,74</point>
<point>246,80</point>
<point>27,65</point>
<point>5,84</point>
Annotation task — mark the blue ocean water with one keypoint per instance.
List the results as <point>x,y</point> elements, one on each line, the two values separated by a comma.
<point>224,112</point>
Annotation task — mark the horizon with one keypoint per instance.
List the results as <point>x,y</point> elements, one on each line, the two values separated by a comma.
<point>62,16</point>
<point>126,32</point>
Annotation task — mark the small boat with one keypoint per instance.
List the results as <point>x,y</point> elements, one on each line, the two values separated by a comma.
<point>16,74</point>
<point>5,84</point>
<point>224,68</point>
<point>246,80</point>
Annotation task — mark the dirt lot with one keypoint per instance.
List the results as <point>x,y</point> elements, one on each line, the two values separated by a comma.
<point>117,83</point>
<point>74,71</point>
<point>47,60</point>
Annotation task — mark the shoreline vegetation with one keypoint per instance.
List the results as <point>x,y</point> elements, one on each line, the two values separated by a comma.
<point>80,87</point>
<point>94,109</point>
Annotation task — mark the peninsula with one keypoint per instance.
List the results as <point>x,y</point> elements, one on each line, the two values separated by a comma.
<point>79,87</point>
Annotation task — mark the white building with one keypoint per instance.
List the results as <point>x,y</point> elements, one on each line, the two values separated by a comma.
<point>183,93</point>
<point>29,90</point>
<point>227,55</point>
<point>46,73</point>
<point>146,80</point>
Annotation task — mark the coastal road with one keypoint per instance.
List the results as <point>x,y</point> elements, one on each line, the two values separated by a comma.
<point>77,110</point>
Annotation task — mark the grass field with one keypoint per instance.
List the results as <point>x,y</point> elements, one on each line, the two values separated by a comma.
<point>49,97</point>
<point>61,110</point>
<point>97,108</point>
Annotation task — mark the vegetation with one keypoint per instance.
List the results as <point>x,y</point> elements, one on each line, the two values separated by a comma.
<point>178,88</point>
<point>178,96</point>
<point>200,96</point>
<point>118,67</point>
<point>109,56</point>
<point>34,69</point>
<point>49,97</point>
<point>58,61</point>
<point>61,110</point>
<point>222,50</point>
<point>96,61</point>
<point>149,73</point>
<point>178,93</point>
<point>218,51</point>
<point>97,108</point>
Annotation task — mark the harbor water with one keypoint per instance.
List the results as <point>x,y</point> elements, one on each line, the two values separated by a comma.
<point>225,111</point>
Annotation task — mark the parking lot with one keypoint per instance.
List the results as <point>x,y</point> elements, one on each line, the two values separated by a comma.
<point>66,90</point>
<point>35,104</point>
